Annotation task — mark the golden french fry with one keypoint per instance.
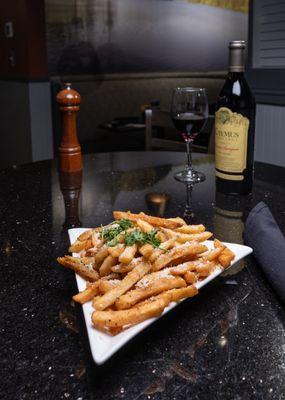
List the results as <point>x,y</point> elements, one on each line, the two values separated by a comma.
<point>116,251</point>
<point>106,265</point>
<point>87,294</point>
<point>190,277</point>
<point>85,235</point>
<point>106,285</point>
<point>185,237</point>
<point>182,293</point>
<point>212,255</point>
<point>123,268</point>
<point>146,250</point>
<point>101,255</point>
<point>161,236</point>
<point>133,276</point>
<point>128,254</point>
<point>186,250</point>
<point>199,237</point>
<point>134,296</point>
<point>181,269</point>
<point>97,242</point>
<point>79,245</point>
<point>226,257</point>
<point>144,225</point>
<point>134,315</point>
<point>111,276</point>
<point>191,229</point>
<point>90,252</point>
<point>205,269</point>
<point>82,266</point>
<point>217,244</point>
<point>162,248</point>
<point>178,219</point>
<point>156,221</point>
<point>153,276</point>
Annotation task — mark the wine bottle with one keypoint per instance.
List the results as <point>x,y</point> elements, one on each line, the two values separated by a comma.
<point>234,128</point>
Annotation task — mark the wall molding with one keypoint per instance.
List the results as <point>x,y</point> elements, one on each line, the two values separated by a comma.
<point>135,76</point>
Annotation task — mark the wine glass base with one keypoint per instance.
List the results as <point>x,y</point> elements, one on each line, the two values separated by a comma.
<point>190,177</point>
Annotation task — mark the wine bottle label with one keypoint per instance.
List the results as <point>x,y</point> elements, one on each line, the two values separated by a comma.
<point>230,144</point>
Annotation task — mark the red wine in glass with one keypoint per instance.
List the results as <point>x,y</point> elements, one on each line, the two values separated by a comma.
<point>189,125</point>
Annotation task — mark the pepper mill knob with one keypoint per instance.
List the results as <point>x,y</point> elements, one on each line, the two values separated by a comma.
<point>70,159</point>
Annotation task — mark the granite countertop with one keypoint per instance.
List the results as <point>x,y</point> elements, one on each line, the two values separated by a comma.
<point>226,343</point>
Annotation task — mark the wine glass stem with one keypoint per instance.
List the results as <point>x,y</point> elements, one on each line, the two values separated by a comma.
<point>189,154</point>
<point>188,212</point>
<point>189,198</point>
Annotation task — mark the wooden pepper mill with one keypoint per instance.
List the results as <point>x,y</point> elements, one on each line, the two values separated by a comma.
<point>70,186</point>
<point>70,159</point>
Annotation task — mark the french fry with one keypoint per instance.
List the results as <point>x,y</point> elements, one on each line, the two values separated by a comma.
<point>79,245</point>
<point>85,235</point>
<point>87,294</point>
<point>132,316</point>
<point>107,285</point>
<point>170,223</point>
<point>146,250</point>
<point>186,250</point>
<point>144,225</point>
<point>97,242</point>
<point>181,269</point>
<point>111,276</point>
<point>178,219</point>
<point>89,252</point>
<point>205,269</point>
<point>161,250</point>
<point>81,266</point>
<point>217,244</point>
<point>110,331</point>
<point>182,293</point>
<point>153,276</point>
<point>199,237</point>
<point>134,296</point>
<point>191,229</point>
<point>123,268</point>
<point>212,255</point>
<point>161,236</point>
<point>128,254</point>
<point>106,265</point>
<point>190,277</point>
<point>116,251</point>
<point>101,255</point>
<point>133,276</point>
<point>226,257</point>
<point>185,237</point>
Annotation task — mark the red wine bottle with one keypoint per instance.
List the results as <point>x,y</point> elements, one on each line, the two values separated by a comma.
<point>234,128</point>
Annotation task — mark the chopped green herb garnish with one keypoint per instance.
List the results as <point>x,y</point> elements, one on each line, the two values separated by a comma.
<point>137,236</point>
<point>110,232</point>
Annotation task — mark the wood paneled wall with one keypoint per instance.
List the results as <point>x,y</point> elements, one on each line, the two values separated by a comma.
<point>23,56</point>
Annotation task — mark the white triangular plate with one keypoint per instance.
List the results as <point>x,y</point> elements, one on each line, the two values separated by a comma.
<point>102,345</point>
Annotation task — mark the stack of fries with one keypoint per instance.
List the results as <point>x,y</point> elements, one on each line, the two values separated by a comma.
<point>138,264</point>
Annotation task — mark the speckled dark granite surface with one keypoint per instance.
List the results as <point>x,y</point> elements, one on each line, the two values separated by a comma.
<point>227,343</point>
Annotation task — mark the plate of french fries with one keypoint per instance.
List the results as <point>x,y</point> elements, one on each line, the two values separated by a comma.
<point>137,268</point>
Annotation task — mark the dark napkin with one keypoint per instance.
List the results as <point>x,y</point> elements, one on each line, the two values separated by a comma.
<point>264,236</point>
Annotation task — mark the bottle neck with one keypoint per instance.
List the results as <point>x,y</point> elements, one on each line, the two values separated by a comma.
<point>236,60</point>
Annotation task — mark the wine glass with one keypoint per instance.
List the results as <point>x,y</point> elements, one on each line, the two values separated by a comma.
<point>189,112</point>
